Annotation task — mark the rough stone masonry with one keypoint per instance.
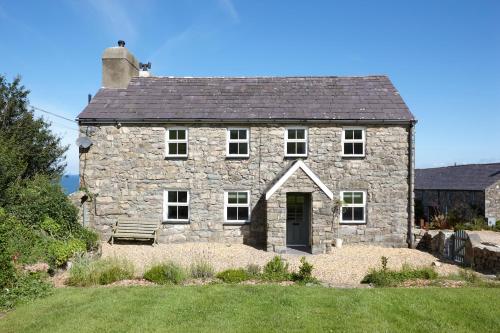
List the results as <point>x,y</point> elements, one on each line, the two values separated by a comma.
<point>126,171</point>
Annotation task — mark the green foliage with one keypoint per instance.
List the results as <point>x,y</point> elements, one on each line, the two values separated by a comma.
<point>233,275</point>
<point>27,146</point>
<point>50,226</point>
<point>27,244</point>
<point>202,269</point>
<point>276,270</point>
<point>384,260</point>
<point>253,270</point>
<point>7,270</point>
<point>468,275</point>
<point>392,278</point>
<point>88,272</point>
<point>61,251</point>
<point>304,275</point>
<point>23,288</point>
<point>166,273</point>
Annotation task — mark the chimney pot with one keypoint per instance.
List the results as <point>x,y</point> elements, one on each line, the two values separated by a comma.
<point>121,43</point>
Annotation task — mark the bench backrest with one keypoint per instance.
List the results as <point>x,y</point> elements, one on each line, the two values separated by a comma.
<point>136,226</point>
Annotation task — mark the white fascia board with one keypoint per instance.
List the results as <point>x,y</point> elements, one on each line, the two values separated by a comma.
<point>299,164</point>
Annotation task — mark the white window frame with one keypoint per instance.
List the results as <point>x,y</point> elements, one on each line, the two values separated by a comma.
<point>166,204</point>
<point>353,205</point>
<point>167,141</point>
<point>227,204</point>
<point>306,139</point>
<point>362,140</point>
<point>229,140</point>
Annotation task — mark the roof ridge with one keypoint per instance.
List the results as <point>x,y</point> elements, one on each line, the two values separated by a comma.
<point>459,165</point>
<point>265,77</point>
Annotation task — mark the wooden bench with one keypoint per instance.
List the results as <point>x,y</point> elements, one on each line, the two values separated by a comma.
<point>135,230</point>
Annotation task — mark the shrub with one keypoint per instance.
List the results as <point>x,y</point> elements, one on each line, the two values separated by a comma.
<point>253,270</point>
<point>233,275</point>
<point>391,278</point>
<point>61,251</point>
<point>202,269</point>
<point>384,260</point>
<point>276,270</point>
<point>50,226</point>
<point>26,287</point>
<point>468,275</point>
<point>167,273</point>
<point>88,272</point>
<point>305,272</point>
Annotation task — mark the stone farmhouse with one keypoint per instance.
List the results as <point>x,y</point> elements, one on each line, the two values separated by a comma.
<point>274,162</point>
<point>474,186</point>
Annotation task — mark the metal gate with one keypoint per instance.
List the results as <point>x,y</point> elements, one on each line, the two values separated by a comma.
<point>458,246</point>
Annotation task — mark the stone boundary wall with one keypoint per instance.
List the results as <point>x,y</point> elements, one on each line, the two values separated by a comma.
<point>481,256</point>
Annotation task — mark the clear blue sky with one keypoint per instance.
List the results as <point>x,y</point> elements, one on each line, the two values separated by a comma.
<point>443,56</point>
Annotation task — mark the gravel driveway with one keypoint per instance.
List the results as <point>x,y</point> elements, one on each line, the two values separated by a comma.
<point>343,267</point>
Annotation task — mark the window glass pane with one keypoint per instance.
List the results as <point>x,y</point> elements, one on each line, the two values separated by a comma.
<point>181,134</point>
<point>232,213</point>
<point>358,148</point>
<point>348,197</point>
<point>358,197</point>
<point>358,134</point>
<point>347,214</point>
<point>182,148</point>
<point>300,199</point>
<point>301,134</point>
<point>348,148</point>
<point>172,148</point>
<point>349,134</point>
<point>242,197</point>
<point>182,196</point>
<point>242,213</point>
<point>233,148</point>
<point>290,148</point>
<point>242,134</point>
<point>243,148</point>
<point>292,134</point>
<point>172,196</point>
<point>232,197</point>
<point>182,212</point>
<point>172,212</point>
<point>172,134</point>
<point>301,147</point>
<point>358,213</point>
<point>233,134</point>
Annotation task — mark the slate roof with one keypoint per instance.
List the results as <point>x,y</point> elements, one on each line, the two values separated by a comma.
<point>461,177</point>
<point>250,98</point>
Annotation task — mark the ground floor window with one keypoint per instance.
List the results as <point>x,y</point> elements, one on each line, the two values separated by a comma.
<point>237,206</point>
<point>353,207</point>
<point>176,206</point>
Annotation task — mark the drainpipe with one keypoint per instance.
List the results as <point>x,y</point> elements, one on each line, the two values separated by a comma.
<point>411,181</point>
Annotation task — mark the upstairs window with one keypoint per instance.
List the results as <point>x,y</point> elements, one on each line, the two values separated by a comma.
<point>176,206</point>
<point>353,207</point>
<point>353,142</point>
<point>237,142</point>
<point>177,142</point>
<point>237,206</point>
<point>295,142</point>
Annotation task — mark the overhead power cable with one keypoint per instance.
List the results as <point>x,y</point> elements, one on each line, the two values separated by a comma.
<point>53,114</point>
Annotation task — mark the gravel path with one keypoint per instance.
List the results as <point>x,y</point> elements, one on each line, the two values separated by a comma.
<point>346,266</point>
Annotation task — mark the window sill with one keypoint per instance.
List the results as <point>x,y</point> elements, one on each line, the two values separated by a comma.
<point>292,157</point>
<point>352,223</point>
<point>235,223</point>
<point>353,157</point>
<point>175,222</point>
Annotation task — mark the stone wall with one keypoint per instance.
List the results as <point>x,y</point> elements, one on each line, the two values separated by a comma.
<point>481,256</point>
<point>492,201</point>
<point>127,171</point>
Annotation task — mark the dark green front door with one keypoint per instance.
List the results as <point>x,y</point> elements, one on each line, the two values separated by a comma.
<point>297,219</point>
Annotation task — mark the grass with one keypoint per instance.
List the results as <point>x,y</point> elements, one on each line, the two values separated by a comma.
<point>268,308</point>
<point>391,278</point>
<point>89,272</point>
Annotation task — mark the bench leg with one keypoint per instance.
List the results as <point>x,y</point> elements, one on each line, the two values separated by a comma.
<point>112,240</point>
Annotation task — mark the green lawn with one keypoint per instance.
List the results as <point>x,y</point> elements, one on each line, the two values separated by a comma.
<point>258,308</point>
